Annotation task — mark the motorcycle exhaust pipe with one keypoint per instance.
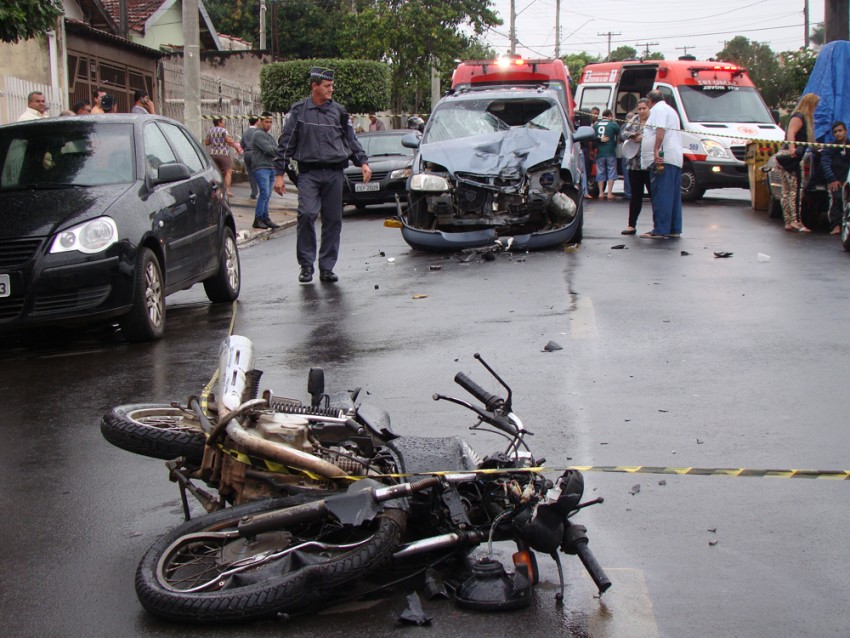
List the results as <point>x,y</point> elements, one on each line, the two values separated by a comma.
<point>443,541</point>
<point>282,454</point>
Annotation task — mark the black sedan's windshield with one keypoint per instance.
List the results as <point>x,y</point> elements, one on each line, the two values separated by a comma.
<point>465,118</point>
<point>66,154</point>
<point>377,145</point>
<point>724,104</point>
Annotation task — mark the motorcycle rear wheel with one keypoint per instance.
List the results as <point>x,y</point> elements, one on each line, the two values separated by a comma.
<point>157,430</point>
<point>193,574</point>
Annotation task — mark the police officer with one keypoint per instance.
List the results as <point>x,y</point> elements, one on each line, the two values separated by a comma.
<point>319,136</point>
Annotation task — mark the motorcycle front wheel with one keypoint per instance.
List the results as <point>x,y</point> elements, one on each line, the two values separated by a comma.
<point>157,430</point>
<point>204,572</point>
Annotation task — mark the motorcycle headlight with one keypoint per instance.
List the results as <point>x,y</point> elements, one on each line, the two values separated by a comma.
<point>401,173</point>
<point>715,149</point>
<point>89,237</point>
<point>429,182</point>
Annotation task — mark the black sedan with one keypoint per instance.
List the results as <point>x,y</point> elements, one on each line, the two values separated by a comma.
<point>103,216</point>
<point>390,163</point>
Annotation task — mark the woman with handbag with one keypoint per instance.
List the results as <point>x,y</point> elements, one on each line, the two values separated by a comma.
<point>800,129</point>
<point>631,134</point>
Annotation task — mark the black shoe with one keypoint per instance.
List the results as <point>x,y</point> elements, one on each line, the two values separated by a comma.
<point>328,275</point>
<point>259,222</point>
<point>306,275</point>
<point>253,197</point>
<point>269,223</point>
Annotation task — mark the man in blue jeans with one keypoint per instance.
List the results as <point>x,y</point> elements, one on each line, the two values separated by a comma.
<point>661,154</point>
<point>263,152</point>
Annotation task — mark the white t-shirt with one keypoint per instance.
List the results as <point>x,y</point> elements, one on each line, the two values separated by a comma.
<point>661,116</point>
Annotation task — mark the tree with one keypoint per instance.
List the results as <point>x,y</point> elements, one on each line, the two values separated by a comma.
<point>794,72</point>
<point>624,52</point>
<point>575,63</point>
<point>25,19</point>
<point>413,35</point>
<point>761,63</point>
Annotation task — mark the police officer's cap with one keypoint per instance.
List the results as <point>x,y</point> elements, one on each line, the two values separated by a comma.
<point>319,73</point>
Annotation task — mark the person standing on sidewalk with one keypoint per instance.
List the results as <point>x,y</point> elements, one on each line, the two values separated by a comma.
<point>835,162</point>
<point>245,142</point>
<point>661,153</point>
<point>218,139</point>
<point>607,132</point>
<point>263,153</point>
<point>319,136</point>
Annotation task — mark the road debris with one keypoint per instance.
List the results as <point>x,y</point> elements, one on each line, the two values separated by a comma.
<point>552,347</point>
<point>413,614</point>
<point>723,255</point>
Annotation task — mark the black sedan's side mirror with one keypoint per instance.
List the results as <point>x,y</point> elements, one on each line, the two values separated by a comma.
<point>411,140</point>
<point>172,172</point>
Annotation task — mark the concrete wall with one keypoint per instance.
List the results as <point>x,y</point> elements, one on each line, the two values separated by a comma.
<point>167,30</point>
<point>237,66</point>
<point>28,60</point>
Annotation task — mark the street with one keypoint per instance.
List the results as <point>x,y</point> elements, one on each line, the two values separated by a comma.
<point>670,356</point>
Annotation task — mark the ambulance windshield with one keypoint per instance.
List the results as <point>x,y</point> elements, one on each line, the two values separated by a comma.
<point>724,104</point>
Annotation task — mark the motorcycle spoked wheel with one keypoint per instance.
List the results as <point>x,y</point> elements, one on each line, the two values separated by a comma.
<point>196,574</point>
<point>157,430</point>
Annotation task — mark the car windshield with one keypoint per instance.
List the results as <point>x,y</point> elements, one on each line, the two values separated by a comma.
<point>377,145</point>
<point>464,118</point>
<point>66,154</point>
<point>724,104</point>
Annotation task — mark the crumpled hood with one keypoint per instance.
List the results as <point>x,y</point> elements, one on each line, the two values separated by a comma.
<point>506,154</point>
<point>38,212</point>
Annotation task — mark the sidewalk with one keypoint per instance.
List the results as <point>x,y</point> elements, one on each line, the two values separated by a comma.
<point>282,210</point>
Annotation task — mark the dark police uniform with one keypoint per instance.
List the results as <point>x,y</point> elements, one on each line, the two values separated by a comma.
<point>321,139</point>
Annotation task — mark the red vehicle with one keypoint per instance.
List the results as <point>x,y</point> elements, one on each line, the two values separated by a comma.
<point>513,70</point>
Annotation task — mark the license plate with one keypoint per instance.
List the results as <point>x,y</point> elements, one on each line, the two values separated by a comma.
<point>367,187</point>
<point>5,286</point>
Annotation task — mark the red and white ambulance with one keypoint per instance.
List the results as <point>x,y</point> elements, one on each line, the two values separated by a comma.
<point>718,105</point>
<point>513,70</point>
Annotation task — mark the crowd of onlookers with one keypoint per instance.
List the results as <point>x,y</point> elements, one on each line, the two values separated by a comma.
<point>102,102</point>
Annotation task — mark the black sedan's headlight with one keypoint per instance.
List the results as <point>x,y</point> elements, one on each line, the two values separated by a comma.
<point>90,237</point>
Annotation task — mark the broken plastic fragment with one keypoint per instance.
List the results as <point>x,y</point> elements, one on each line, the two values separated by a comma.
<point>722,254</point>
<point>413,614</point>
<point>552,346</point>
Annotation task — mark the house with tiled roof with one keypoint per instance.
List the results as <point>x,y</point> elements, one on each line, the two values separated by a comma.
<point>90,48</point>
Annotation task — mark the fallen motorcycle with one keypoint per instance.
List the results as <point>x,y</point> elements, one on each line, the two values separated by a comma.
<point>327,503</point>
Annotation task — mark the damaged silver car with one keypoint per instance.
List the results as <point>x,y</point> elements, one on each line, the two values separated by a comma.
<point>495,165</point>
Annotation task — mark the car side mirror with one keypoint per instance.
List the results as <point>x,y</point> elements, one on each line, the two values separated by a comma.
<point>584,133</point>
<point>775,114</point>
<point>172,172</point>
<point>411,140</point>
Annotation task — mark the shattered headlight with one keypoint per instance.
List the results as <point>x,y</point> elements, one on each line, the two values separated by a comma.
<point>429,182</point>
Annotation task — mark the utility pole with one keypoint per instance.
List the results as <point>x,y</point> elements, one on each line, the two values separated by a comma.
<point>191,68</point>
<point>557,28</point>
<point>684,48</point>
<point>263,11</point>
<point>512,30</point>
<point>806,23</point>
<point>609,35</point>
<point>835,20</point>
<point>646,46</point>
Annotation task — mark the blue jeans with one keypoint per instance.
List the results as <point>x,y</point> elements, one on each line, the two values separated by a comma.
<point>666,192</point>
<point>265,182</point>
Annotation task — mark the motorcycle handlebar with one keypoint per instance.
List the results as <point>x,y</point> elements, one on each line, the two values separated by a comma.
<point>491,401</point>
<point>592,566</point>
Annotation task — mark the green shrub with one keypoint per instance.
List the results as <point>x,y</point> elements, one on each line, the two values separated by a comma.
<point>361,86</point>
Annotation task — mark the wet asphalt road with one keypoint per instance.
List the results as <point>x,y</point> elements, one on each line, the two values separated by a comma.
<point>667,360</point>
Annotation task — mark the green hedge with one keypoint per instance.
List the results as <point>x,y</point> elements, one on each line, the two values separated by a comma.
<point>361,86</point>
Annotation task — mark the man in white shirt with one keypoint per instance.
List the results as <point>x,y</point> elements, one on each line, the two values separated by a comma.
<point>661,153</point>
<point>36,107</point>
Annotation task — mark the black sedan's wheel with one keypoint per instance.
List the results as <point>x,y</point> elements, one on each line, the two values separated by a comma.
<point>691,190</point>
<point>156,430</point>
<point>204,572</point>
<point>226,283</point>
<point>146,319</point>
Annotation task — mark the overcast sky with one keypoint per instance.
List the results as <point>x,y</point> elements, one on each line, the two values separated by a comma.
<point>702,27</point>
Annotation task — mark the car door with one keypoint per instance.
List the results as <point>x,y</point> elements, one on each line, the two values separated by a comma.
<point>204,185</point>
<point>174,222</point>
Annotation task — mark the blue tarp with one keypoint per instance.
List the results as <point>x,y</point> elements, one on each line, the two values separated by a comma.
<point>830,80</point>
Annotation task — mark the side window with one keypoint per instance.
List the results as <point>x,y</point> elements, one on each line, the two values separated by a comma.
<point>667,92</point>
<point>157,150</point>
<point>185,149</point>
<point>597,96</point>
